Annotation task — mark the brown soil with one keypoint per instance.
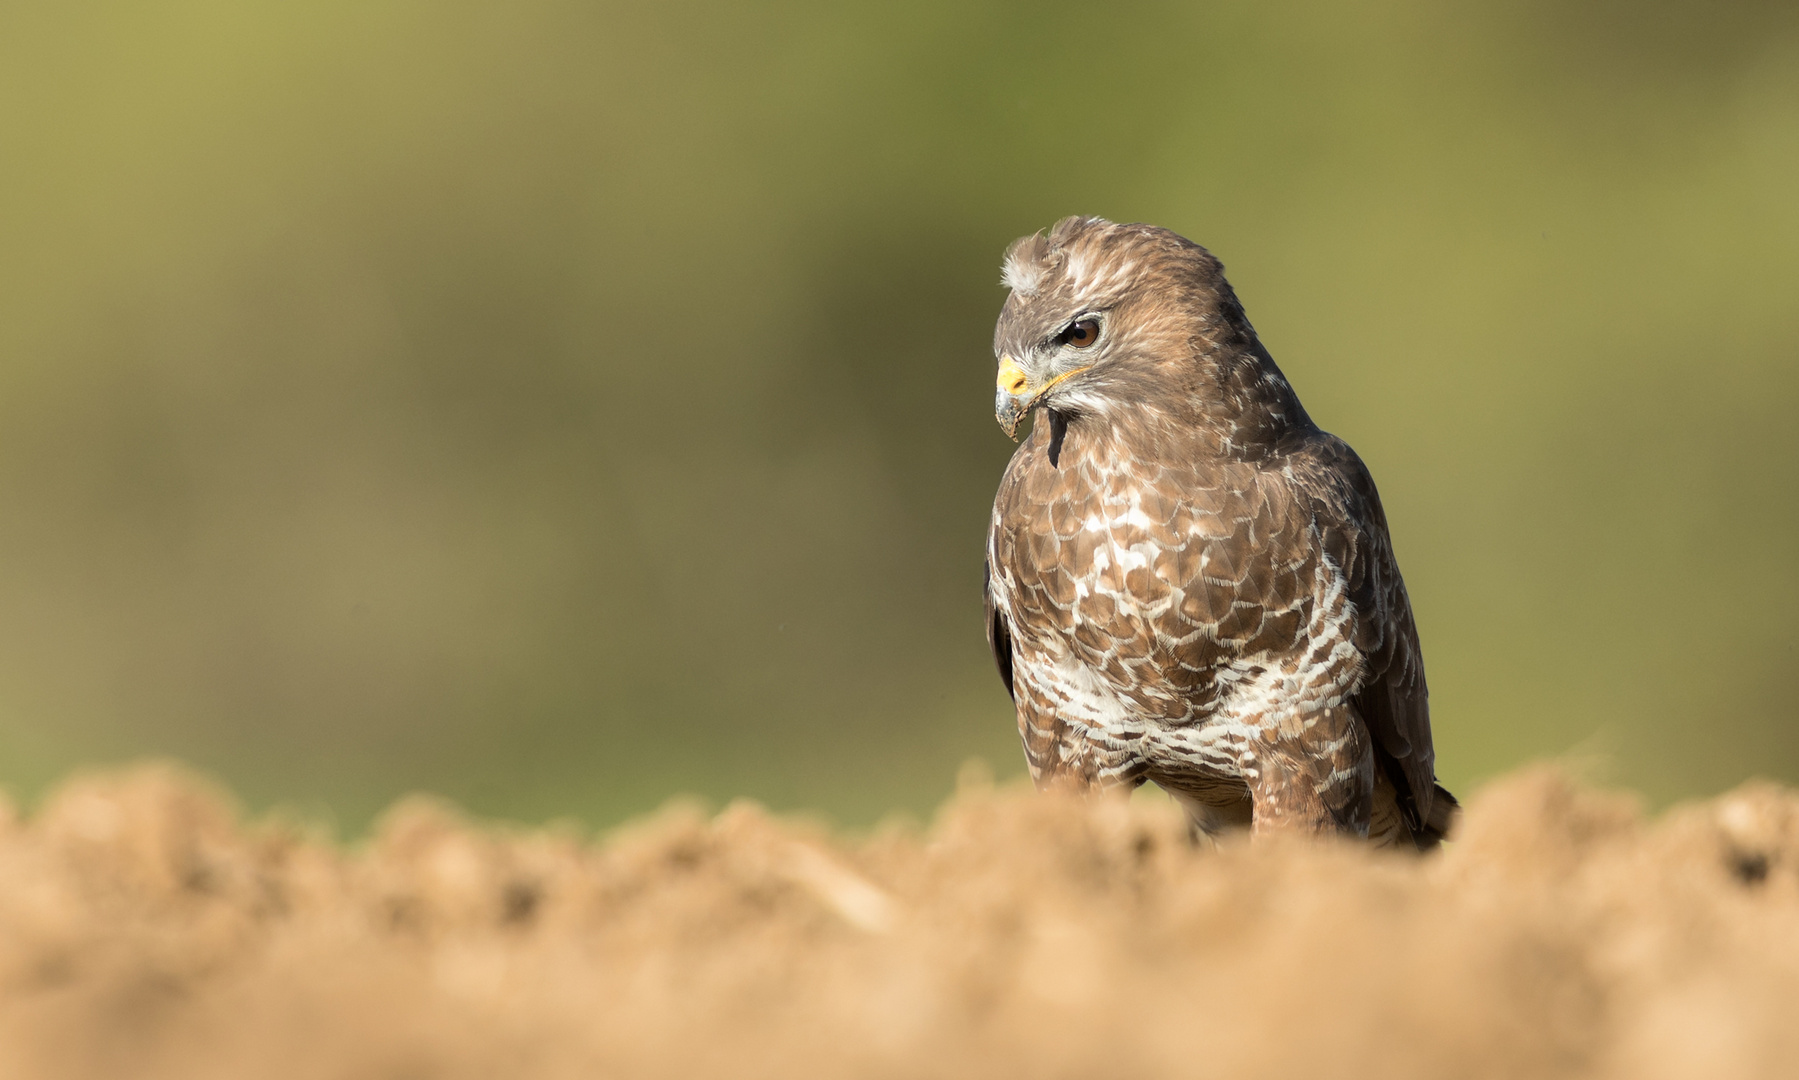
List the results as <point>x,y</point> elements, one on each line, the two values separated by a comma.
<point>145,932</point>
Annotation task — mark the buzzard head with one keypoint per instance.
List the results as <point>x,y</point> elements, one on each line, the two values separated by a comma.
<point>1103,317</point>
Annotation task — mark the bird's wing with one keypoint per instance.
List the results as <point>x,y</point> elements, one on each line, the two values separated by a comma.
<point>1394,701</point>
<point>999,631</point>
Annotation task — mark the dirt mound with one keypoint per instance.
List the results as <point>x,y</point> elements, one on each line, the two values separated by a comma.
<point>145,932</point>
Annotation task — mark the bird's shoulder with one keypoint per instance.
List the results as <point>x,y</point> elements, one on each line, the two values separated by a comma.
<point>1328,473</point>
<point>1349,527</point>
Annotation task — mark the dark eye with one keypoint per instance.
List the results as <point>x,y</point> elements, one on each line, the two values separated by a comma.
<point>1082,334</point>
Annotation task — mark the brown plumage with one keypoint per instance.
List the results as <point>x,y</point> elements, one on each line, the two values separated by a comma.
<point>1187,581</point>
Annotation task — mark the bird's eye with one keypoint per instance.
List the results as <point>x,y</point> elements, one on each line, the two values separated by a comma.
<point>1081,334</point>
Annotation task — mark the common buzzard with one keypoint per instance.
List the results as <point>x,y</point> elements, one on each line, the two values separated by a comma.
<point>1187,581</point>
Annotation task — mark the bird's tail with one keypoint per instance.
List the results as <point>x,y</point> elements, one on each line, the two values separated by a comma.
<point>1444,811</point>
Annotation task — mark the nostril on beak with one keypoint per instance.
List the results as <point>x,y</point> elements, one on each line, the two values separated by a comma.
<point>1012,379</point>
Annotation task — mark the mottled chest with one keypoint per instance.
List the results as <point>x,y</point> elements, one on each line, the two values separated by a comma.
<point>1148,570</point>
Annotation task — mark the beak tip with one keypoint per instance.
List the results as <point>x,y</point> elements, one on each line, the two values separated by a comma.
<point>1009,419</point>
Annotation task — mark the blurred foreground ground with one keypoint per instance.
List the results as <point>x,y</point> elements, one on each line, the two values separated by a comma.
<point>145,931</point>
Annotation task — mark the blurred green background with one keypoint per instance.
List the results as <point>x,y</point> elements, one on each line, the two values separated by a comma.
<point>562,405</point>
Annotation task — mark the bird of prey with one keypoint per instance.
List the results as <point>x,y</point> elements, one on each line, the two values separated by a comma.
<point>1187,581</point>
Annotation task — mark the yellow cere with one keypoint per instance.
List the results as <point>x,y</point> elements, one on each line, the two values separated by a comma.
<point>1012,378</point>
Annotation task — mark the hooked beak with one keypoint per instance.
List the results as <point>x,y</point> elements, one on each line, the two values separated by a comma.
<point>1015,396</point>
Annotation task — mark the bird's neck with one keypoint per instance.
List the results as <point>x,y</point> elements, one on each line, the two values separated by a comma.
<point>1231,405</point>
<point>1242,406</point>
